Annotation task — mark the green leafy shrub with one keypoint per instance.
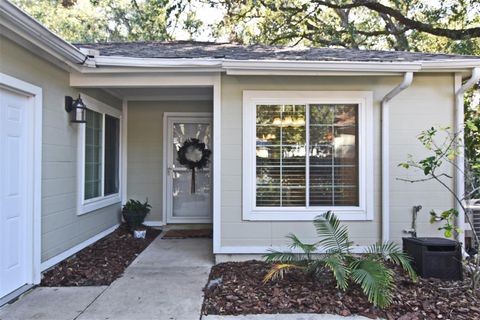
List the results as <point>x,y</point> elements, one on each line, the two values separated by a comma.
<point>369,270</point>
<point>134,213</point>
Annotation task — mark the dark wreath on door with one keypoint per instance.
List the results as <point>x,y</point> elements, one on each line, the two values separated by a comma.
<point>193,155</point>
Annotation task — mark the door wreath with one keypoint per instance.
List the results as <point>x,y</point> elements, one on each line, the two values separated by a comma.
<point>194,155</point>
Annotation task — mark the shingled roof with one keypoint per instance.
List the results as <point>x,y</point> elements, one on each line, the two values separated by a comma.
<point>211,50</point>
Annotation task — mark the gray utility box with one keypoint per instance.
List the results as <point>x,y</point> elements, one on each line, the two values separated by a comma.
<point>435,257</point>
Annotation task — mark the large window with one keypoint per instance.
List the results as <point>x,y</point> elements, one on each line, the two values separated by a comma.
<point>99,148</point>
<point>304,153</point>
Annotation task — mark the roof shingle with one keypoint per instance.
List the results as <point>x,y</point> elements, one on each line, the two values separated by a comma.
<point>211,50</point>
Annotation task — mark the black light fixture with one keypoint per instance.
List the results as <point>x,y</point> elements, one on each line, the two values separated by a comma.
<point>77,109</point>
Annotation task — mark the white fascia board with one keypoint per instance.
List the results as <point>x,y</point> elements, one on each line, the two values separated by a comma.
<point>118,61</point>
<point>235,66</point>
<point>139,79</point>
<point>17,21</point>
<point>126,70</point>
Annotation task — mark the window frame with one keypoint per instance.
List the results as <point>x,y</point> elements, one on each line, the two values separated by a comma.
<point>364,99</point>
<point>86,206</point>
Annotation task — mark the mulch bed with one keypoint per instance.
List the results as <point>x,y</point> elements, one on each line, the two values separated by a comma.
<point>241,291</point>
<point>187,233</point>
<point>100,263</point>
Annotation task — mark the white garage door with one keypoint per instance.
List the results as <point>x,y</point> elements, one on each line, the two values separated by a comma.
<point>16,198</point>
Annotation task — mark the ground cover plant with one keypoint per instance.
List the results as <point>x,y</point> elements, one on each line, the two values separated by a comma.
<point>100,263</point>
<point>370,270</point>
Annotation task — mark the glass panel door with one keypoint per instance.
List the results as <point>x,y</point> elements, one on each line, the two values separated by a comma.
<point>189,183</point>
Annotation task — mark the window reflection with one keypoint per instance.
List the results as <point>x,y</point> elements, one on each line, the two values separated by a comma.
<point>281,153</point>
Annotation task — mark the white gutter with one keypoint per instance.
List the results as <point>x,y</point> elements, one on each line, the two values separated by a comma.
<point>119,64</point>
<point>452,64</point>
<point>407,81</point>
<point>460,159</point>
<point>240,67</point>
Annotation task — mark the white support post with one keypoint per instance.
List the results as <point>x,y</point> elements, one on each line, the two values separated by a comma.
<point>217,156</point>
<point>124,150</point>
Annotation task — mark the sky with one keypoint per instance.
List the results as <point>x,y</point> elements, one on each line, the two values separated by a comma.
<point>209,16</point>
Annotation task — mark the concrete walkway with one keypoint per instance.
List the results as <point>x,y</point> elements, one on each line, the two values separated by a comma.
<point>165,282</point>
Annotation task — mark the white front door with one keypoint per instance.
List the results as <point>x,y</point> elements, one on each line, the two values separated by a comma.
<point>16,195</point>
<point>188,195</point>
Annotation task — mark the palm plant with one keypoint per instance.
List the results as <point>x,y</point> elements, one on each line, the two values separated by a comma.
<point>369,270</point>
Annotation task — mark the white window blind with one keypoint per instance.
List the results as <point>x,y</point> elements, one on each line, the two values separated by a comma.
<point>307,155</point>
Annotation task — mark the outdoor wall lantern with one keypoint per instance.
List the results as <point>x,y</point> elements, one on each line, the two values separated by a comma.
<point>77,109</point>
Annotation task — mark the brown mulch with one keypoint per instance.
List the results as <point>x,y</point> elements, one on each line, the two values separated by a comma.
<point>187,233</point>
<point>100,263</point>
<point>241,291</point>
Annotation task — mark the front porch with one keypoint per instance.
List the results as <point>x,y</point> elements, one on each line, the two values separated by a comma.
<point>156,120</point>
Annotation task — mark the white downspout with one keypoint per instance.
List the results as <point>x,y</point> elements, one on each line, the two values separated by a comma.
<point>460,159</point>
<point>407,81</point>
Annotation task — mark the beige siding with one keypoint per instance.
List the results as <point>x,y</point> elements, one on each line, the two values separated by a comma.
<point>428,102</point>
<point>145,148</point>
<point>61,227</point>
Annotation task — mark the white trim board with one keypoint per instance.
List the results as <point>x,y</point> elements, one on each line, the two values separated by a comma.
<point>167,137</point>
<point>124,153</point>
<point>36,95</point>
<point>70,252</point>
<point>86,206</point>
<point>217,163</point>
<point>265,249</point>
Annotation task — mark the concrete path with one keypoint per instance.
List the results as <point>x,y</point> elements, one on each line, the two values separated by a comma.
<point>165,282</point>
<point>44,303</point>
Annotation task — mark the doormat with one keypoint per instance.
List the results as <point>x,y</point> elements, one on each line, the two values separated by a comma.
<point>187,233</point>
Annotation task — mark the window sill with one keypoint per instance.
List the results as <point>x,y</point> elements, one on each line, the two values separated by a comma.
<point>98,203</point>
<point>280,214</point>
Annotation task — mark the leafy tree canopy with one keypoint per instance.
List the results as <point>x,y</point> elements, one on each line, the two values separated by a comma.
<point>412,25</point>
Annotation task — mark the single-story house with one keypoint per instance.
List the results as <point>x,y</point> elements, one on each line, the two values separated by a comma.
<point>293,132</point>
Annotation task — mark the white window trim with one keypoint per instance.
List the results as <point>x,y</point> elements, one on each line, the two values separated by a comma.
<point>85,206</point>
<point>366,173</point>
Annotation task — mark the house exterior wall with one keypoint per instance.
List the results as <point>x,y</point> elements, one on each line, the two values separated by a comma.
<point>145,148</point>
<point>61,227</point>
<point>429,101</point>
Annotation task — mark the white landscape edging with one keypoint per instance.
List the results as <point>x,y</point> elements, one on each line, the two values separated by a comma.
<point>70,252</point>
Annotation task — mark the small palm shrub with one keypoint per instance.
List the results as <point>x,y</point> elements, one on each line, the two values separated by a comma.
<point>369,270</point>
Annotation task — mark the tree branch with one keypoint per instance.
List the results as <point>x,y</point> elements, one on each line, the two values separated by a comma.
<point>454,34</point>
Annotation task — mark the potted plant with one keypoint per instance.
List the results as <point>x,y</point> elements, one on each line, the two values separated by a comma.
<point>134,213</point>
